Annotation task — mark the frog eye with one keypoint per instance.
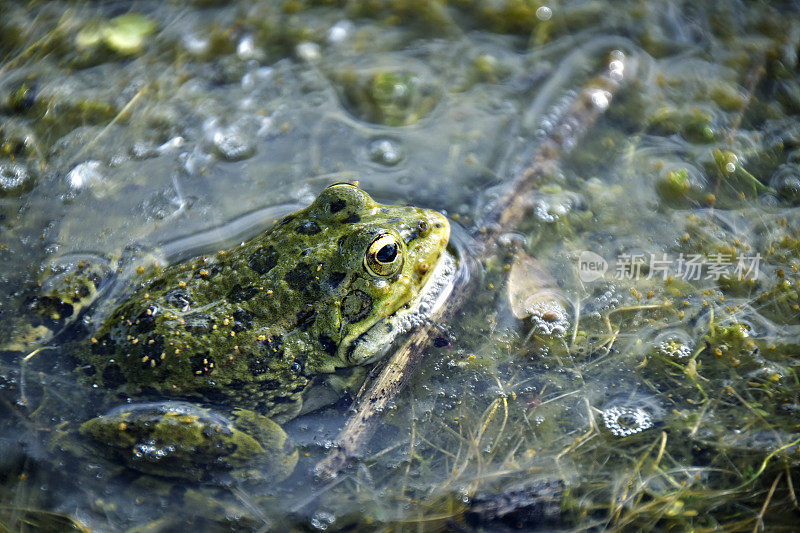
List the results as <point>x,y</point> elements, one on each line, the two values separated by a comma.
<point>384,256</point>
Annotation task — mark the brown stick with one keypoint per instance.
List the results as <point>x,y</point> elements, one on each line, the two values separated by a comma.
<point>506,214</point>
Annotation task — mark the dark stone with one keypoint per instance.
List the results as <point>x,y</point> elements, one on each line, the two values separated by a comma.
<point>344,403</point>
<point>524,509</point>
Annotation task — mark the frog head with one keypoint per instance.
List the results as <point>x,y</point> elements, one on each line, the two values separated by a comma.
<point>386,255</point>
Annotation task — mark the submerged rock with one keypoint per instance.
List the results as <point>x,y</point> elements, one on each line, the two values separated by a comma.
<point>531,507</point>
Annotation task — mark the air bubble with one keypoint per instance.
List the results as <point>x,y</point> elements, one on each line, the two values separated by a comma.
<point>626,421</point>
<point>85,175</point>
<point>387,152</point>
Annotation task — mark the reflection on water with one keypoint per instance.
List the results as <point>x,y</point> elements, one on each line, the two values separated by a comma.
<point>658,390</point>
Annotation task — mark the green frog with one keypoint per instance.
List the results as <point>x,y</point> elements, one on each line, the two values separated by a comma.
<point>209,356</point>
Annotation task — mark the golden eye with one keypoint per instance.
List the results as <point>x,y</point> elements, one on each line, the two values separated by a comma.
<point>384,256</point>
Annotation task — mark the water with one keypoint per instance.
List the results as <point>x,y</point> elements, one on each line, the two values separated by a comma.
<point>668,396</point>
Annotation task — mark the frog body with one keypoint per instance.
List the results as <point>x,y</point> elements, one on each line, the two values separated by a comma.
<point>248,330</point>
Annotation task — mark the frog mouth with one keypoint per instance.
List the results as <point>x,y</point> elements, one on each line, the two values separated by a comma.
<point>374,343</point>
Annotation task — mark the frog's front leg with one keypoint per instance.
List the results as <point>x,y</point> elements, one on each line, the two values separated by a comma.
<point>180,439</point>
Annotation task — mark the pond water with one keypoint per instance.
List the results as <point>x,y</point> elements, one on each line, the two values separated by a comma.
<point>629,356</point>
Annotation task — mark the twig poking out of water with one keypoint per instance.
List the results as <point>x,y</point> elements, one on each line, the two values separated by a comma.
<point>506,214</point>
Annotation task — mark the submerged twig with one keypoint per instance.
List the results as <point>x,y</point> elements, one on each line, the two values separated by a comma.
<point>507,213</point>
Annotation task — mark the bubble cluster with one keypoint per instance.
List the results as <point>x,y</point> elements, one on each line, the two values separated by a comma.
<point>626,421</point>
<point>322,520</point>
<point>548,318</point>
<point>149,450</point>
<point>13,178</point>
<point>231,143</point>
<point>673,345</point>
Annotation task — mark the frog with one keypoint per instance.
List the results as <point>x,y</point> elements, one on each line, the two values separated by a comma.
<point>201,365</point>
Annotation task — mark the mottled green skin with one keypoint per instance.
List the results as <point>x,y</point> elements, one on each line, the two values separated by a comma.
<point>250,328</point>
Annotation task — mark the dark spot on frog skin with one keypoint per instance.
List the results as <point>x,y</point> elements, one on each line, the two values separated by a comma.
<point>199,323</point>
<point>263,260</point>
<point>327,344</point>
<point>89,370</point>
<point>178,298</point>
<point>356,306</point>
<point>283,399</point>
<point>308,227</point>
<point>337,205</point>
<point>334,280</point>
<point>353,218</point>
<point>271,384</point>
<point>154,347</point>
<point>300,278</point>
<point>273,346</point>
<point>202,364</point>
<point>103,346</point>
<point>285,220</point>
<point>113,376</point>
<point>305,318</point>
<point>242,320</point>
<point>146,321</point>
<point>149,362</point>
<point>242,294</point>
